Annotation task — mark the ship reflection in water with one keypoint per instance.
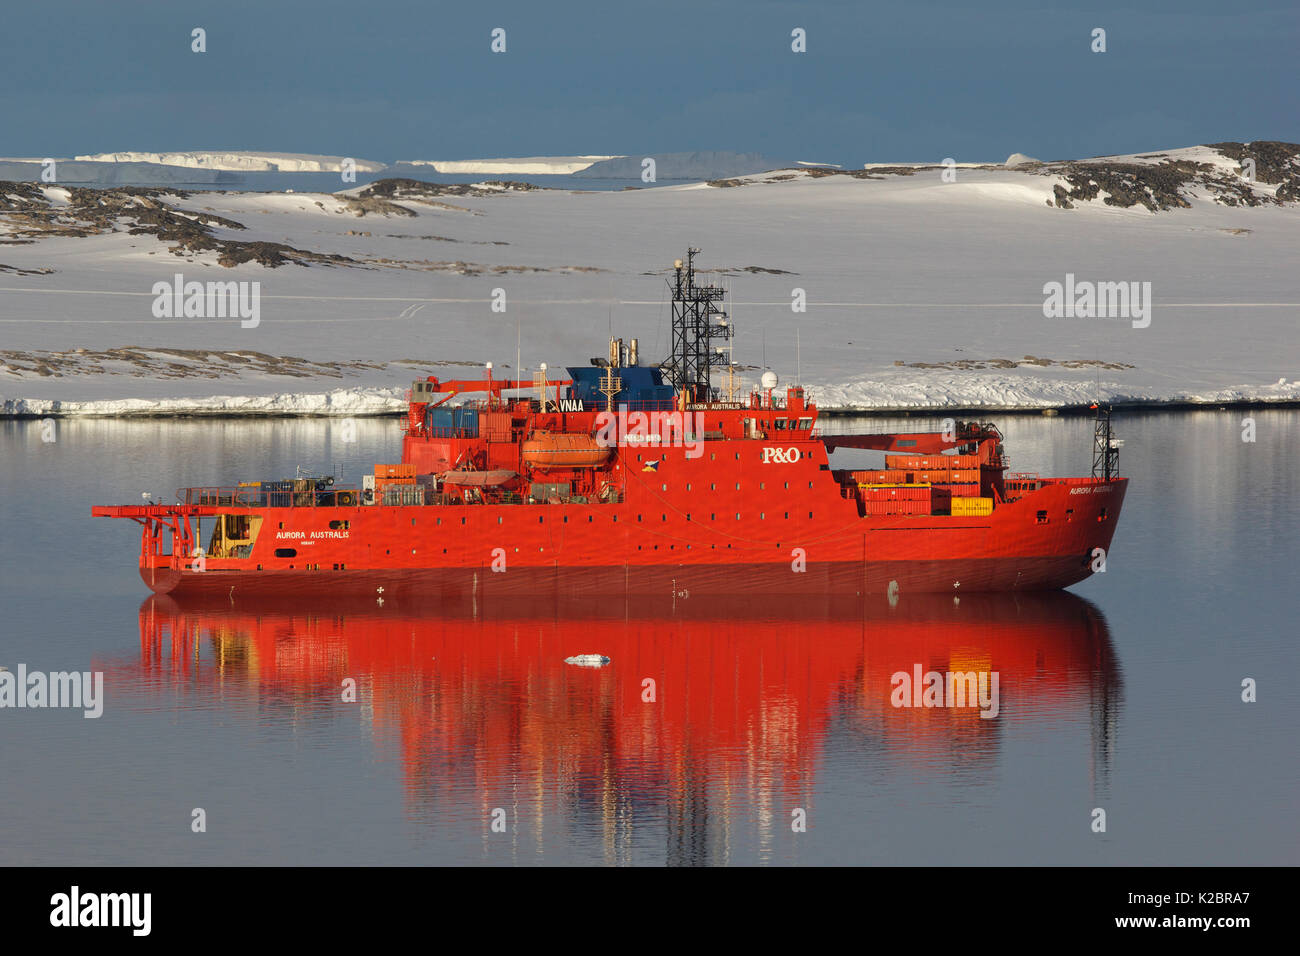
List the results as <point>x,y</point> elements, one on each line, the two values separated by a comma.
<point>709,727</point>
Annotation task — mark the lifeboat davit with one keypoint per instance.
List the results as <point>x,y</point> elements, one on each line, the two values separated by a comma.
<point>545,449</point>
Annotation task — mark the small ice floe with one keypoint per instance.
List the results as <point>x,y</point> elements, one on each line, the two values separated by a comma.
<point>587,660</point>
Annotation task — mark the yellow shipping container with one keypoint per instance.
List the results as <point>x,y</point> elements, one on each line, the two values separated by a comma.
<point>972,507</point>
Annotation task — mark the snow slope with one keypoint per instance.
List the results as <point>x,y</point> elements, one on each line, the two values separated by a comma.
<point>920,293</point>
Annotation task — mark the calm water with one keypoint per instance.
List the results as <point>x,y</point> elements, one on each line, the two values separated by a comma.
<point>1122,694</point>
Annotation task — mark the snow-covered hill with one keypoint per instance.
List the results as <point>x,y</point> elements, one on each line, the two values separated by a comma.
<point>924,285</point>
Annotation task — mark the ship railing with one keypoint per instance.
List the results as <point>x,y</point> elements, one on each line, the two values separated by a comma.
<point>248,496</point>
<point>222,497</point>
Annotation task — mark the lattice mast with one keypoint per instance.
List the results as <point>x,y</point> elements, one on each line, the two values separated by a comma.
<point>698,323</point>
<point>1105,446</point>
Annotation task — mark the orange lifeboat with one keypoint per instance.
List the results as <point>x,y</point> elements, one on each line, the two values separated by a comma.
<point>543,449</point>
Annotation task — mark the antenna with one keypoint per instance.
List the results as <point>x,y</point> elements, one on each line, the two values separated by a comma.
<point>518,370</point>
<point>798,360</point>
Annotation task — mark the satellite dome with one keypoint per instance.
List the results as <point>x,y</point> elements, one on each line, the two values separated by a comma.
<point>769,380</point>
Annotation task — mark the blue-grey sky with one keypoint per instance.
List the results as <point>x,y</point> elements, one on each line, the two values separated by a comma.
<point>899,81</point>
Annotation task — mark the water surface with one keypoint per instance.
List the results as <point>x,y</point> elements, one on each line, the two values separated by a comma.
<point>1123,694</point>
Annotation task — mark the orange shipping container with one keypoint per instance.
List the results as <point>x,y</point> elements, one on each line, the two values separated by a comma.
<point>395,471</point>
<point>932,462</point>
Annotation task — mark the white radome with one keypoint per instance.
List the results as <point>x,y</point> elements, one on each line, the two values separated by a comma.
<point>769,380</point>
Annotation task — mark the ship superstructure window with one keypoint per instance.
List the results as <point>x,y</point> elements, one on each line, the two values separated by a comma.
<point>338,525</point>
<point>286,552</point>
<point>780,424</point>
<point>1042,517</point>
<point>805,423</point>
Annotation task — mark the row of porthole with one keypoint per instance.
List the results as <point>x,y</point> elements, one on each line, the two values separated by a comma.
<point>713,486</point>
<point>807,455</point>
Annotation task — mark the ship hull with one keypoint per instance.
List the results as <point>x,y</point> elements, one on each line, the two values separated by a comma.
<point>1051,539</point>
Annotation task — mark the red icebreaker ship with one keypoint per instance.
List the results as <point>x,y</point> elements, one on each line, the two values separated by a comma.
<point>648,479</point>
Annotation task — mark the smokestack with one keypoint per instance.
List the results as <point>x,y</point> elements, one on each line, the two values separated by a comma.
<point>631,353</point>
